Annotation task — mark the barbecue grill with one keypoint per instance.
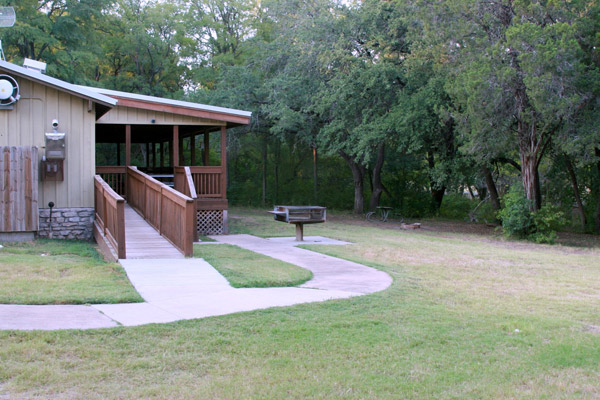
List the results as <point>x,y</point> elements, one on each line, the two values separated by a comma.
<point>299,215</point>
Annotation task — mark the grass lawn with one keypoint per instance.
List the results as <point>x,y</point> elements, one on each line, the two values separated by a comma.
<point>468,316</point>
<point>246,269</point>
<point>60,272</point>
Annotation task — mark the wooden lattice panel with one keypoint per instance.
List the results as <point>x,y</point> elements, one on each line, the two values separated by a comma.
<point>209,222</point>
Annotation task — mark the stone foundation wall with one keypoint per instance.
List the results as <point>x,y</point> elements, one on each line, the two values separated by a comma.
<point>67,223</point>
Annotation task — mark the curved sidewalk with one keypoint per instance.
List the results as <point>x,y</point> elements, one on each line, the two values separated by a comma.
<point>177,289</point>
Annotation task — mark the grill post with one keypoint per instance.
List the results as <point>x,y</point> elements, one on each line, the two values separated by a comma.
<point>299,232</point>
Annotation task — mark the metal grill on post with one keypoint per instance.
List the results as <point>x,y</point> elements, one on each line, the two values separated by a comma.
<point>300,215</point>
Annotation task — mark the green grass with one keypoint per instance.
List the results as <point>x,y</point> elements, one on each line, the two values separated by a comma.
<point>60,272</point>
<point>445,329</point>
<point>246,269</point>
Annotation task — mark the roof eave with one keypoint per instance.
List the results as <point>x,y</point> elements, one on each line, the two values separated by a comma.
<point>230,119</point>
<point>56,84</point>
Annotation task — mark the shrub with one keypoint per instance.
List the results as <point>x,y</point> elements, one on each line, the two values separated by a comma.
<point>518,220</point>
<point>547,221</point>
<point>456,206</point>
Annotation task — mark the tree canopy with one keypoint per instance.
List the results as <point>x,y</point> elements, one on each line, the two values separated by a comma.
<point>361,102</point>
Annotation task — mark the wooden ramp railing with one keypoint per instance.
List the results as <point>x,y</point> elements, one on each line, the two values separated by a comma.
<point>170,212</point>
<point>209,181</point>
<point>109,226</point>
<point>184,182</point>
<point>115,177</point>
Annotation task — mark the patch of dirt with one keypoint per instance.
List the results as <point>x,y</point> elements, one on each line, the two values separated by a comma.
<point>595,329</point>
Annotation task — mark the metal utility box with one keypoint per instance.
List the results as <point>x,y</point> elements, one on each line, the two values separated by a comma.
<point>53,170</point>
<point>55,146</point>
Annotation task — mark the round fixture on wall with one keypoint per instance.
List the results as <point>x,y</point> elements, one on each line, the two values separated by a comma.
<point>9,90</point>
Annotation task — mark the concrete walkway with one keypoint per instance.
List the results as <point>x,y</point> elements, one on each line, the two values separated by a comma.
<point>177,289</point>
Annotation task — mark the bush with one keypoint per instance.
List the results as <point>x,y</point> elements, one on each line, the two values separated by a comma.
<point>456,206</point>
<point>547,221</point>
<point>519,221</point>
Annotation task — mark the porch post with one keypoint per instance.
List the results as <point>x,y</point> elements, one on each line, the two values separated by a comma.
<point>153,145</point>
<point>206,148</point>
<point>181,152</point>
<point>161,150</point>
<point>128,145</point>
<point>223,162</point>
<point>193,149</point>
<point>147,155</point>
<point>175,161</point>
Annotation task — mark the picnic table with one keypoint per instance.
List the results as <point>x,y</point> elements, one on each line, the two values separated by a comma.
<point>382,212</point>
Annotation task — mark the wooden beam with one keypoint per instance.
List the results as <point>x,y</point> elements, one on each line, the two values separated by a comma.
<point>161,150</point>
<point>128,145</point>
<point>153,146</point>
<point>224,162</point>
<point>181,152</point>
<point>147,155</point>
<point>206,148</point>
<point>193,149</point>
<point>175,146</point>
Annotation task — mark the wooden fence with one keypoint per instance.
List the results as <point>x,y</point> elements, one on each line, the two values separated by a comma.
<point>115,176</point>
<point>183,182</point>
<point>209,182</point>
<point>110,216</point>
<point>170,212</point>
<point>18,189</point>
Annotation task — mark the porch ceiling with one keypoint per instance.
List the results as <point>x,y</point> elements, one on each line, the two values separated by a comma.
<point>109,133</point>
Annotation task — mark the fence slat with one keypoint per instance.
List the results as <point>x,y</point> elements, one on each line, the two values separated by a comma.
<point>19,189</point>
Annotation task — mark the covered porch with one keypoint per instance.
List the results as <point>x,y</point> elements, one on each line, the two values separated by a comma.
<point>180,156</point>
<point>155,152</point>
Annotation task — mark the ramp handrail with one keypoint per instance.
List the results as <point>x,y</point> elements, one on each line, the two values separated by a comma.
<point>184,183</point>
<point>110,215</point>
<point>170,212</point>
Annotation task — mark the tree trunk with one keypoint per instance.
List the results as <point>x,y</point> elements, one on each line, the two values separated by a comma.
<point>576,193</point>
<point>437,193</point>
<point>377,185</point>
<point>276,172</point>
<point>358,173</point>
<point>438,196</point>
<point>528,175</point>
<point>538,189</point>
<point>264,171</point>
<point>315,177</point>
<point>597,219</point>
<point>491,188</point>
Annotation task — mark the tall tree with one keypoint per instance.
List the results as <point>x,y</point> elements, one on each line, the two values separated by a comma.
<point>62,33</point>
<point>517,74</point>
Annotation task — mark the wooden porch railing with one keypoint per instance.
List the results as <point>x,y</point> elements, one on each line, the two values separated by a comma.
<point>167,210</point>
<point>110,215</point>
<point>209,182</point>
<point>184,182</point>
<point>115,176</point>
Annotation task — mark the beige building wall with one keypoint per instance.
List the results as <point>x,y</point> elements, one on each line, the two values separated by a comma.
<point>26,124</point>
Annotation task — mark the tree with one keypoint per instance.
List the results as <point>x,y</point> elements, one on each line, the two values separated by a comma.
<point>141,46</point>
<point>62,33</point>
<point>517,67</point>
